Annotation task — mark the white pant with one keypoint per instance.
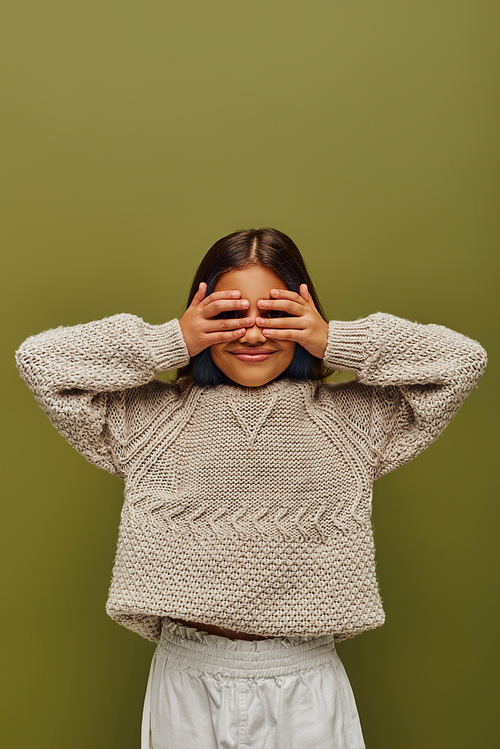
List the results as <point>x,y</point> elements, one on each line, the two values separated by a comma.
<point>210,692</point>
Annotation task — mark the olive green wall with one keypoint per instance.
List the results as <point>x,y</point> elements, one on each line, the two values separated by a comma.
<point>135,134</point>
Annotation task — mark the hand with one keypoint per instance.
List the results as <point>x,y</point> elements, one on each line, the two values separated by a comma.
<point>304,325</point>
<point>200,330</point>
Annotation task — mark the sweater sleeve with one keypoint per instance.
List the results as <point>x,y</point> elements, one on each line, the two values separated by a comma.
<point>412,379</point>
<point>81,376</point>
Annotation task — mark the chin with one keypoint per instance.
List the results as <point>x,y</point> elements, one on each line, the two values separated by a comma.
<point>252,381</point>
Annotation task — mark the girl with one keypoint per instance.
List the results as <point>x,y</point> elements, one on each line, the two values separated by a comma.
<point>245,546</point>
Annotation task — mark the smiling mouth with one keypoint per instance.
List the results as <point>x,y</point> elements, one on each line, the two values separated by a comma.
<point>255,355</point>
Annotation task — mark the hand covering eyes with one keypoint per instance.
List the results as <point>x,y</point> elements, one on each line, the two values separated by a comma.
<point>232,314</point>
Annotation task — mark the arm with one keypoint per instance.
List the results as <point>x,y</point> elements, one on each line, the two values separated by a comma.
<point>415,376</point>
<point>83,376</point>
<point>411,379</point>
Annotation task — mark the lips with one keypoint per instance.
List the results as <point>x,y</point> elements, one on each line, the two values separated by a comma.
<point>253,355</point>
<point>253,351</point>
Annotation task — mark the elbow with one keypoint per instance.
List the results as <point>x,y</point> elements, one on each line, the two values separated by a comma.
<point>483,358</point>
<point>23,361</point>
<point>470,363</point>
<point>29,362</point>
<point>478,361</point>
<point>471,371</point>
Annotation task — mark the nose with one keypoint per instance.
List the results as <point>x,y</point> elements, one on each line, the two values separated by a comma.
<point>253,335</point>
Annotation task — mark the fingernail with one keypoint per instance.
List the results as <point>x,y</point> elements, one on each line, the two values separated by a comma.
<point>235,293</point>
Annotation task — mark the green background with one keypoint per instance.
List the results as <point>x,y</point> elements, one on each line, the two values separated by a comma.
<point>137,133</point>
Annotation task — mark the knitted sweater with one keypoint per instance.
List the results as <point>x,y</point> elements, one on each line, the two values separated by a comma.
<point>249,508</point>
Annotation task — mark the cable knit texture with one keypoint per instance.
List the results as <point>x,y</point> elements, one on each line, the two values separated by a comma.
<point>249,508</point>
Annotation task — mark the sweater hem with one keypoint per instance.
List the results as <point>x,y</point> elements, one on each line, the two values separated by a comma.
<point>147,622</point>
<point>167,345</point>
<point>346,348</point>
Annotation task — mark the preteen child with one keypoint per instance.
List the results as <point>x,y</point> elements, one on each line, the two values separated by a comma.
<point>245,548</point>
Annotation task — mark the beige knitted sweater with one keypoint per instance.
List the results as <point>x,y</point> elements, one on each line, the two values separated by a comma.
<point>249,508</point>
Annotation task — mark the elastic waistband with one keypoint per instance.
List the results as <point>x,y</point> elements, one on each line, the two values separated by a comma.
<point>189,648</point>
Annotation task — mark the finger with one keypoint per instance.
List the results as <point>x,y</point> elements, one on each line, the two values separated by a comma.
<point>222,336</point>
<point>200,294</point>
<point>224,305</point>
<point>284,335</point>
<point>230,294</point>
<point>286,294</point>
<point>297,323</point>
<point>212,325</point>
<point>304,293</point>
<point>285,305</point>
